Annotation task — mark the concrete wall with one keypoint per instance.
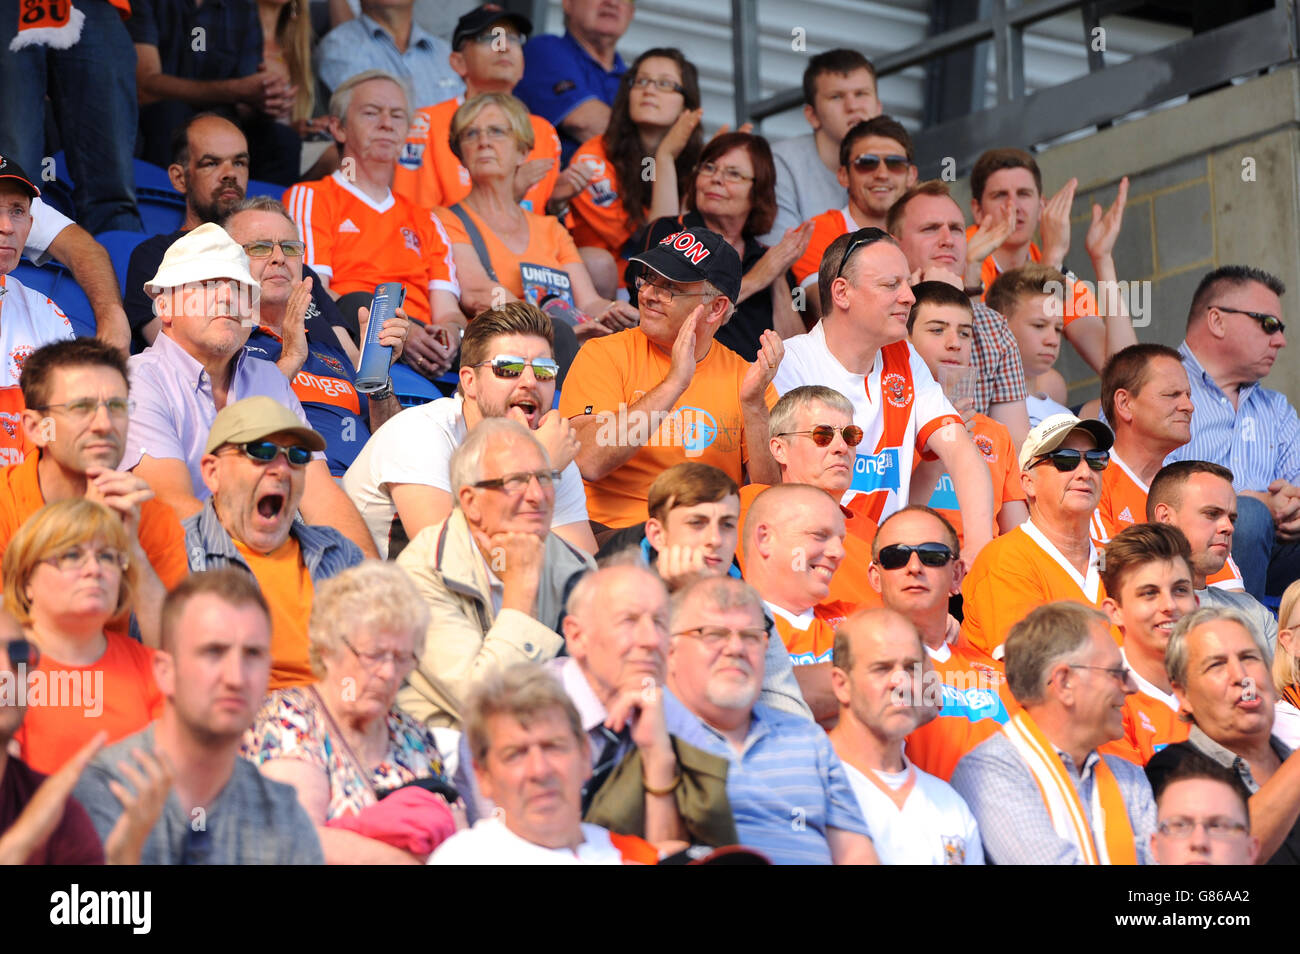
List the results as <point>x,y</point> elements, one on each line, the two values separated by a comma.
<point>1211,182</point>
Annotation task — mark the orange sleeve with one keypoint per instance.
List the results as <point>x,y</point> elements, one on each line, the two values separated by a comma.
<point>546,145</point>
<point>452,225</point>
<point>163,540</point>
<point>1000,591</point>
<point>927,431</point>
<point>437,256</point>
<point>824,233</point>
<point>560,242</point>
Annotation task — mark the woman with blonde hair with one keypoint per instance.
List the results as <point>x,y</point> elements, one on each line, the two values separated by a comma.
<point>1286,668</point>
<point>368,775</point>
<point>66,576</point>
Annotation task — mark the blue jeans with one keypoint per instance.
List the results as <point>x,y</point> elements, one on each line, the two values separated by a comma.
<point>1267,564</point>
<point>92,87</point>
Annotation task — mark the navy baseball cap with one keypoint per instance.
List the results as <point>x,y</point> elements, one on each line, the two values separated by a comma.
<point>481,18</point>
<point>696,255</point>
<point>11,170</point>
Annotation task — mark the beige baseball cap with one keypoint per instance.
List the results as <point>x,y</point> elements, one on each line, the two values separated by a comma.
<point>254,418</point>
<point>1051,433</point>
<point>202,254</point>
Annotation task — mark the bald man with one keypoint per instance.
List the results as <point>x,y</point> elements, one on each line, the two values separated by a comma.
<point>794,542</point>
<point>880,680</point>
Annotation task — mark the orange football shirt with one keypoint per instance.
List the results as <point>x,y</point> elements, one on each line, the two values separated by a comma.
<point>1079,302</point>
<point>994,442</point>
<point>810,637</point>
<point>827,227</point>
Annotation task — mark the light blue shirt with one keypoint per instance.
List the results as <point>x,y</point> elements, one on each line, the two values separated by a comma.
<point>173,407</point>
<point>1259,440</point>
<point>787,787</point>
<point>362,44</point>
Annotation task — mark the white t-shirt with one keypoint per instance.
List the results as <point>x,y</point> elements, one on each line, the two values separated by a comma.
<point>47,223</point>
<point>896,421</point>
<point>27,320</point>
<point>490,842</point>
<point>934,827</point>
<point>1042,407</point>
<point>415,447</point>
<point>1286,723</point>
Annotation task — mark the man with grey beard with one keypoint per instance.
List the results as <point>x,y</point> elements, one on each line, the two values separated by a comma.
<point>779,764</point>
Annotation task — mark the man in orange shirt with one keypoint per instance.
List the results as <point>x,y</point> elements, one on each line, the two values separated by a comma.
<point>794,542</point>
<point>1148,574</point>
<point>77,405</point>
<point>814,441</point>
<point>359,234</point>
<point>1050,556</point>
<point>255,466</point>
<point>1007,186</point>
<point>648,397</point>
<point>487,52</point>
<point>877,165</point>
<point>915,568</point>
<point>941,328</point>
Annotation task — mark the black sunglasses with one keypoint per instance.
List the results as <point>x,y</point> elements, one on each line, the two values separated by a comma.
<point>512,366</point>
<point>823,434</point>
<point>23,652</point>
<point>1269,323</point>
<point>898,555</point>
<point>861,238</point>
<point>1067,459</point>
<point>266,451</point>
<point>869,162</point>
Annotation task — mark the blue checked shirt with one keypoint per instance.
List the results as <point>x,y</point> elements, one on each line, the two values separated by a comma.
<point>1259,441</point>
<point>362,44</point>
<point>1013,819</point>
<point>787,787</point>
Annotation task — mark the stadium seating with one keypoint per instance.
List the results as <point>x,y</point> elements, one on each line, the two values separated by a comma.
<point>56,283</point>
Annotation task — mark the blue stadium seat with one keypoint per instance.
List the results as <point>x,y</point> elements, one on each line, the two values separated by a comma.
<point>412,388</point>
<point>258,187</point>
<point>153,178</point>
<point>159,214</point>
<point>57,284</point>
<point>58,193</point>
<point>120,245</point>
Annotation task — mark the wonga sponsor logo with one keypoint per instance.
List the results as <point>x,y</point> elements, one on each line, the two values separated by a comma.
<point>872,472</point>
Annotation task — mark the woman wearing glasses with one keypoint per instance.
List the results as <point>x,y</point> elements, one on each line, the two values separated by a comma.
<point>364,771</point>
<point>652,143</point>
<point>502,252</point>
<point>732,191</point>
<point>66,576</point>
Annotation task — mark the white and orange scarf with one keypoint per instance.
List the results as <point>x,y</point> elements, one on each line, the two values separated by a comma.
<point>1108,816</point>
<point>54,23</point>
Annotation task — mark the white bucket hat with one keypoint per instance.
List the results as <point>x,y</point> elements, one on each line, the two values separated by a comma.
<point>201,255</point>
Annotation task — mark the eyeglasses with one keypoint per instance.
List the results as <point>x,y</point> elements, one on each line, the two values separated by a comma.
<point>493,133</point>
<point>84,408</point>
<point>869,162</point>
<point>1270,323</point>
<point>23,652</point>
<point>518,483</point>
<point>373,661</point>
<point>512,366</point>
<point>898,555</point>
<point>264,452</point>
<point>489,37</point>
<point>74,558</point>
<point>663,291</point>
<point>667,85</point>
<point>291,248</point>
<point>861,239</point>
<point>1216,829</point>
<point>1067,460</point>
<point>1120,673</point>
<point>715,637</point>
<point>729,173</point>
<point>823,434</point>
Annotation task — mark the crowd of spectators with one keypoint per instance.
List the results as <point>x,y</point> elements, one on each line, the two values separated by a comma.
<point>754,525</point>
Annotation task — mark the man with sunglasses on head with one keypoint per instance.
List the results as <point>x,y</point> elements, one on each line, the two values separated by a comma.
<point>77,400</point>
<point>648,397</point>
<point>915,569</point>
<point>877,165</point>
<point>1235,333</point>
<point>400,481</point>
<point>254,465</point>
<point>494,572</point>
<point>1051,555</point>
<point>859,348</point>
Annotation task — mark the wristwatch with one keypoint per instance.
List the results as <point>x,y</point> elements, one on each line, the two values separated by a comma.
<point>974,291</point>
<point>384,393</point>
